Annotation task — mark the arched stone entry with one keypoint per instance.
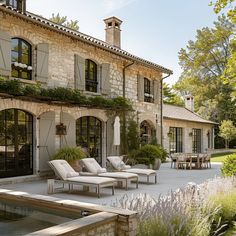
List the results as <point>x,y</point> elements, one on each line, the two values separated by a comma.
<point>89,136</point>
<point>147,132</point>
<point>16,143</point>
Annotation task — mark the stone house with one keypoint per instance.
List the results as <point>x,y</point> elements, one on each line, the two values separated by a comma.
<point>34,50</point>
<point>185,131</point>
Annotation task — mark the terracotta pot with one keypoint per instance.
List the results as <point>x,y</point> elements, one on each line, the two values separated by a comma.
<point>75,165</point>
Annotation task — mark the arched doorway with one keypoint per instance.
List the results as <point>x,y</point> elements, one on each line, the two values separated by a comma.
<point>89,136</point>
<point>16,143</point>
<point>147,132</point>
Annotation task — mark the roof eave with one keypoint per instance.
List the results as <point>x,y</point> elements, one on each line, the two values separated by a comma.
<point>70,33</point>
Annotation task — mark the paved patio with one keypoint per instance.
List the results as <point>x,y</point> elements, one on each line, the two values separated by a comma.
<point>168,179</point>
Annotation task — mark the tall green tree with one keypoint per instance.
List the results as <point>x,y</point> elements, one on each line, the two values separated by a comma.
<point>227,131</point>
<point>203,63</point>
<point>62,20</point>
<point>170,96</point>
<point>229,76</point>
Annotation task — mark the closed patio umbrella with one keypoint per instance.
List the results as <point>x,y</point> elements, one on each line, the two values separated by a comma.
<point>116,138</point>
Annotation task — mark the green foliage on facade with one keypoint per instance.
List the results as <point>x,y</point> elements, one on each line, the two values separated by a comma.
<point>67,95</point>
<point>229,166</point>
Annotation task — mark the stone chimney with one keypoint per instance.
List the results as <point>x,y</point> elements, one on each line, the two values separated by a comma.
<point>113,31</point>
<point>189,102</point>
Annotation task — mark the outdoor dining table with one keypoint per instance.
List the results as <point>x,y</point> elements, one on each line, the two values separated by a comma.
<point>192,158</point>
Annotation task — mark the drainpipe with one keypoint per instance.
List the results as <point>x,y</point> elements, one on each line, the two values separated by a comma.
<point>162,107</point>
<point>124,78</point>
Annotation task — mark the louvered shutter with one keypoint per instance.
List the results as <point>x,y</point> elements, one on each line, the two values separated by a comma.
<point>5,53</point>
<point>156,91</point>
<point>140,88</point>
<point>42,62</point>
<point>105,79</point>
<point>79,72</point>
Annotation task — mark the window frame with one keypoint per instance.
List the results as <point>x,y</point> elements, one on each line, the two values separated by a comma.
<point>91,79</point>
<point>196,140</point>
<point>176,139</point>
<point>19,60</point>
<point>148,93</point>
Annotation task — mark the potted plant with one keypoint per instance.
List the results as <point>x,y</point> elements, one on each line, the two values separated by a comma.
<point>72,155</point>
<point>151,155</point>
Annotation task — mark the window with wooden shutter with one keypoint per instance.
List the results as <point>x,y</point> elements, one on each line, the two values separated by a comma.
<point>5,53</point>
<point>79,72</point>
<point>42,62</point>
<point>148,90</point>
<point>91,76</point>
<point>105,79</point>
<point>21,59</point>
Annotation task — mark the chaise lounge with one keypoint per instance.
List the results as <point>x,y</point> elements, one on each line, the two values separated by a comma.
<point>119,165</point>
<point>67,175</point>
<point>93,168</point>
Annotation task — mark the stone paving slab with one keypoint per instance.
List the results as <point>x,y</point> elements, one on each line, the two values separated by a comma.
<point>167,179</point>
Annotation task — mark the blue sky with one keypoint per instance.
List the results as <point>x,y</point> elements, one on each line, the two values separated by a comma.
<point>153,29</point>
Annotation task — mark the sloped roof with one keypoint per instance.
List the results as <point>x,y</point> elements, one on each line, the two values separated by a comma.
<point>83,37</point>
<point>182,113</point>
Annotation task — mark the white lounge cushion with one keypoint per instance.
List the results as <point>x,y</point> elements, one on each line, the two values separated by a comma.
<point>141,171</point>
<point>63,169</point>
<point>72,174</point>
<point>91,180</point>
<point>117,163</point>
<point>92,166</point>
<point>123,175</point>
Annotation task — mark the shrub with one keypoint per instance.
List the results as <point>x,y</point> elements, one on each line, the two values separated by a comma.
<point>69,154</point>
<point>227,203</point>
<point>148,153</point>
<point>229,166</point>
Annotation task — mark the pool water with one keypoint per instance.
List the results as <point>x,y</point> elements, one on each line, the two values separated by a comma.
<point>21,220</point>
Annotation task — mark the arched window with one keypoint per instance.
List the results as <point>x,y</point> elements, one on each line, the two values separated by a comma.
<point>16,143</point>
<point>21,59</point>
<point>148,91</point>
<point>91,81</point>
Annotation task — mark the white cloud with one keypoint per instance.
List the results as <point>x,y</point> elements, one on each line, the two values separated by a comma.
<point>113,5</point>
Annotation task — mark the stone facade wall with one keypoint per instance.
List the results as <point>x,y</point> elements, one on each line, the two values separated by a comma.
<point>187,128</point>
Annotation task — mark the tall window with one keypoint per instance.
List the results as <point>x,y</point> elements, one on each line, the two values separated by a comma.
<point>21,59</point>
<point>91,76</point>
<point>16,143</point>
<point>197,140</point>
<point>89,136</point>
<point>148,96</point>
<point>176,139</point>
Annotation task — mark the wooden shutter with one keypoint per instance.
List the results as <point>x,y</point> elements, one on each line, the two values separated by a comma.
<point>5,53</point>
<point>105,79</point>
<point>156,91</point>
<point>42,62</point>
<point>140,88</point>
<point>79,72</point>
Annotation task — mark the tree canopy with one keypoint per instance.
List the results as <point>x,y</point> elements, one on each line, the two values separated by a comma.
<point>229,76</point>
<point>227,131</point>
<point>170,96</point>
<point>62,20</point>
<point>203,63</point>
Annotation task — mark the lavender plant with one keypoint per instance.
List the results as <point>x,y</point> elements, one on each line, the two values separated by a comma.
<point>188,211</point>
